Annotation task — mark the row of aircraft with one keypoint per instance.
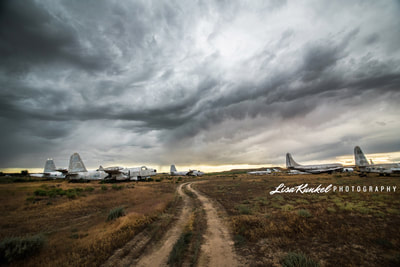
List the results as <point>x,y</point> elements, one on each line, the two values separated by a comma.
<point>77,170</point>
<point>361,163</point>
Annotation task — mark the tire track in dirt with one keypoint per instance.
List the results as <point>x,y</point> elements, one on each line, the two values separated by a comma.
<point>153,255</point>
<point>217,250</point>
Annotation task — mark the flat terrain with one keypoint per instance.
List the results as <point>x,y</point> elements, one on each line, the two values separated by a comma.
<point>226,219</point>
<point>333,229</point>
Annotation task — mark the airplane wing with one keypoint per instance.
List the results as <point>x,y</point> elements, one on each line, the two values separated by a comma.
<point>112,170</point>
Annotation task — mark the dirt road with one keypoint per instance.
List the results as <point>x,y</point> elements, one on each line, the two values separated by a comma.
<point>153,255</point>
<point>217,249</point>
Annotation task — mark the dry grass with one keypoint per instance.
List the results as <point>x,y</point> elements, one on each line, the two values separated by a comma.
<point>76,229</point>
<point>336,229</point>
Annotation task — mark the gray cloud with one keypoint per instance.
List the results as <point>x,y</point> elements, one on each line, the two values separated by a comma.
<point>212,82</point>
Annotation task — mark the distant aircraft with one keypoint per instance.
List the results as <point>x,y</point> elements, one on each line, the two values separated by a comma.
<point>138,173</point>
<point>365,167</point>
<point>320,168</point>
<point>174,172</point>
<point>296,172</point>
<point>348,169</point>
<point>77,170</point>
<point>50,171</point>
<point>267,171</point>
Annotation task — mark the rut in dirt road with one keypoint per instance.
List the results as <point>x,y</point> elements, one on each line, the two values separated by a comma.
<point>157,254</point>
<point>217,249</point>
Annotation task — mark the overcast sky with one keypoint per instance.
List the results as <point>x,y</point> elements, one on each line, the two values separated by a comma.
<point>197,82</point>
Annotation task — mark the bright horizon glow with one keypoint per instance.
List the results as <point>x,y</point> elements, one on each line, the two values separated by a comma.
<point>377,158</point>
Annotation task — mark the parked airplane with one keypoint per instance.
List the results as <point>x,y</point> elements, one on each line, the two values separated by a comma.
<point>174,172</point>
<point>365,167</point>
<point>320,168</point>
<point>50,171</point>
<point>295,172</point>
<point>120,173</point>
<point>267,171</point>
<point>77,170</point>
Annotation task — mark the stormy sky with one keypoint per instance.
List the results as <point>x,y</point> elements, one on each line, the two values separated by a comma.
<point>197,82</point>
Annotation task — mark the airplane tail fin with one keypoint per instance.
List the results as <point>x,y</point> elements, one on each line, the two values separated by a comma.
<point>290,163</point>
<point>173,169</point>
<point>76,164</point>
<point>359,157</point>
<point>49,166</point>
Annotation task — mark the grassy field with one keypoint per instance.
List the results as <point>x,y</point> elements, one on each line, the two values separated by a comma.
<point>330,229</point>
<point>78,224</point>
<point>82,224</point>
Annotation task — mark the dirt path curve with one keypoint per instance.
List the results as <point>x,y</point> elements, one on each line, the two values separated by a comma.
<point>217,249</point>
<point>156,255</point>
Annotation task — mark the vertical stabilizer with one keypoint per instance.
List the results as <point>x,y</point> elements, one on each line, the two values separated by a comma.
<point>76,164</point>
<point>173,169</point>
<point>359,157</point>
<point>290,163</point>
<point>49,166</point>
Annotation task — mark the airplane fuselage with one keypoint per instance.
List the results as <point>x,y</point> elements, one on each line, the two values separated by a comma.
<point>386,168</point>
<point>321,168</point>
<point>54,175</point>
<point>120,173</point>
<point>88,175</point>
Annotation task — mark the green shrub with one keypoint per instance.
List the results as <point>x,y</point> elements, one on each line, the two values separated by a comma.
<point>71,194</point>
<point>117,187</point>
<point>293,259</point>
<point>243,209</point>
<point>15,248</point>
<point>304,213</point>
<point>116,213</point>
<point>40,192</point>
<point>104,188</point>
<point>89,189</point>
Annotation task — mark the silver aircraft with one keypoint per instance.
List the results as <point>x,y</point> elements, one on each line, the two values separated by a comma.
<point>77,170</point>
<point>365,167</point>
<point>50,171</point>
<point>319,168</point>
<point>267,171</point>
<point>174,172</point>
<point>135,174</point>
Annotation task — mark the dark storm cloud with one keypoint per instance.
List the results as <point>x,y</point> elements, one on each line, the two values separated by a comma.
<point>29,35</point>
<point>182,81</point>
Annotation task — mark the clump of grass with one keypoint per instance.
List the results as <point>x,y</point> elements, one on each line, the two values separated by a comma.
<point>175,257</point>
<point>16,248</point>
<point>243,209</point>
<point>287,207</point>
<point>117,187</point>
<point>293,259</point>
<point>104,188</point>
<point>116,213</point>
<point>331,209</point>
<point>304,213</point>
<point>239,240</point>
